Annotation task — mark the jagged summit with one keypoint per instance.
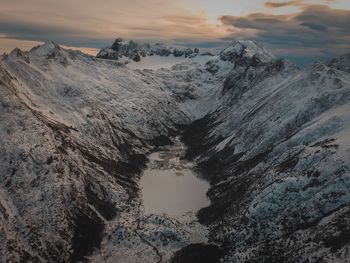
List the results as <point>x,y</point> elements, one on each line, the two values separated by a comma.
<point>341,63</point>
<point>135,50</point>
<point>49,50</point>
<point>244,51</point>
<point>45,48</point>
<point>239,51</point>
<point>18,53</point>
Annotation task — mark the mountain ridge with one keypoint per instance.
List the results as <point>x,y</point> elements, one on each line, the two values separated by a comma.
<point>76,131</point>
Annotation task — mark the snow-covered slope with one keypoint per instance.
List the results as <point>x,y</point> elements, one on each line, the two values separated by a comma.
<point>246,51</point>
<point>277,150</point>
<point>76,130</point>
<point>75,134</point>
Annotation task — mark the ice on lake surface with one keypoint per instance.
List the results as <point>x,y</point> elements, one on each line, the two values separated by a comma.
<point>170,186</point>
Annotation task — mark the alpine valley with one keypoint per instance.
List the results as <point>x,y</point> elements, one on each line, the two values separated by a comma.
<point>77,133</point>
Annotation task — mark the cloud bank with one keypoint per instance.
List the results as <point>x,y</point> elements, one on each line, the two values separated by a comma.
<point>283,4</point>
<point>297,29</point>
<point>316,31</point>
<point>94,24</point>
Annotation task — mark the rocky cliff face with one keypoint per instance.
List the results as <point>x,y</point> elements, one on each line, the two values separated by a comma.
<point>277,152</point>
<point>74,140</point>
<point>76,130</point>
<point>135,51</point>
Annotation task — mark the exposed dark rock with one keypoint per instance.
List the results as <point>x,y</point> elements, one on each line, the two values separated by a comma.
<point>195,136</point>
<point>117,44</point>
<point>212,66</point>
<point>135,51</point>
<point>198,253</point>
<point>136,58</point>
<point>178,53</point>
<point>188,52</point>
<point>341,63</point>
<point>87,235</point>
<point>107,210</point>
<point>161,140</point>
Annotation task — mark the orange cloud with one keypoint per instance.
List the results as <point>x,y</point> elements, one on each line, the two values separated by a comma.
<point>283,4</point>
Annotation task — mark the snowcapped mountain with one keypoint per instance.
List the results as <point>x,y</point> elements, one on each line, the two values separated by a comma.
<point>136,51</point>
<point>273,140</point>
<point>277,152</point>
<point>246,51</point>
<point>75,133</point>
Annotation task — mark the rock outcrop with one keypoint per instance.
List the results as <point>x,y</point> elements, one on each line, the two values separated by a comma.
<point>135,51</point>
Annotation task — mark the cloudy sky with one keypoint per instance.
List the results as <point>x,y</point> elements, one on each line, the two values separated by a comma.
<point>301,30</point>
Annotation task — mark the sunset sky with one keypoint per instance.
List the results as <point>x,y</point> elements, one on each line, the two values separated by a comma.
<point>298,29</point>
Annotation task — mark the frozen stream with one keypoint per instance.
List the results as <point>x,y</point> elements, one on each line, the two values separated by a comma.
<point>169,184</point>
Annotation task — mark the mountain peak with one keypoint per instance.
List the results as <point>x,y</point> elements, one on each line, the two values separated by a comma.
<point>47,48</point>
<point>18,53</point>
<point>341,63</point>
<point>51,51</point>
<point>244,51</point>
<point>136,51</point>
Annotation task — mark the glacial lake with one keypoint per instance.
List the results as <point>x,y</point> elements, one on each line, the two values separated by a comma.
<point>170,185</point>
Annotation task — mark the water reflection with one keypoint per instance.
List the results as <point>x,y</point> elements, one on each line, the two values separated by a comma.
<point>169,184</point>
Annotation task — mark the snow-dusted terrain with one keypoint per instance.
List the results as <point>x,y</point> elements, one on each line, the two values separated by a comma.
<point>277,150</point>
<point>75,133</point>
